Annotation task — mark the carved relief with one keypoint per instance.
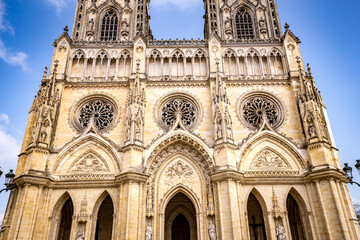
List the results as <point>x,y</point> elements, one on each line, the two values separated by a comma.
<point>269,159</point>
<point>179,172</point>
<point>90,163</point>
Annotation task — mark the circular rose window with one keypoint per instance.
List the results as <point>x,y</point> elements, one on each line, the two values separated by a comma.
<point>254,108</point>
<point>100,111</point>
<point>177,105</point>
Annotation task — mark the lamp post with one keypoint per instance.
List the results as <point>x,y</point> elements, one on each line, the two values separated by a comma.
<point>8,181</point>
<point>348,170</point>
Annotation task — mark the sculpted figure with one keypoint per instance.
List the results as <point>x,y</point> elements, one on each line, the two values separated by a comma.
<point>148,232</point>
<point>91,24</point>
<point>280,232</point>
<point>80,235</point>
<point>212,231</point>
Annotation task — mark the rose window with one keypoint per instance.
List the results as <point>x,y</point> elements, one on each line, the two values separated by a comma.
<point>99,111</point>
<point>255,108</point>
<point>178,107</point>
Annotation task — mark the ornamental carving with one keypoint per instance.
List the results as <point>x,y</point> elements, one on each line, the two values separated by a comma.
<point>101,111</point>
<point>90,163</point>
<point>170,107</point>
<point>177,145</point>
<point>268,159</point>
<point>254,109</point>
<point>183,107</point>
<point>98,112</point>
<point>179,172</point>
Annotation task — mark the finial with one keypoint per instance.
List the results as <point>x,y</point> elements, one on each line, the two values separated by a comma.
<point>309,69</point>
<point>45,72</point>
<point>287,26</point>
<point>66,28</point>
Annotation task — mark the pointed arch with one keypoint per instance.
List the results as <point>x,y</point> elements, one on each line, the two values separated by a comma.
<point>105,194</point>
<point>298,217</point>
<point>259,197</point>
<point>295,198</point>
<point>257,215</point>
<point>179,136</point>
<point>244,20</point>
<point>180,188</point>
<point>279,141</point>
<point>190,212</point>
<point>85,140</point>
<point>56,215</point>
<point>231,63</point>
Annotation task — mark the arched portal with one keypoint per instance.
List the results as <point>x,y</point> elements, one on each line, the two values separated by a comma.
<point>180,219</point>
<point>255,219</point>
<point>295,220</point>
<point>104,224</point>
<point>67,212</point>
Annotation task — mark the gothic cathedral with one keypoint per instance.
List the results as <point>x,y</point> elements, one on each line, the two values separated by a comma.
<point>134,138</point>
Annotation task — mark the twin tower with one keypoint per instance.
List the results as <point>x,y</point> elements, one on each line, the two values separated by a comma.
<point>133,138</point>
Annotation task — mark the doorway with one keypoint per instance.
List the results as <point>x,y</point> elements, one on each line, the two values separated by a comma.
<point>180,219</point>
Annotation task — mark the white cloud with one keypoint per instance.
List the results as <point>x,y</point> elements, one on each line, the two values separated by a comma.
<point>4,24</point>
<point>13,58</point>
<point>4,118</point>
<point>58,4</point>
<point>9,147</point>
<point>181,4</point>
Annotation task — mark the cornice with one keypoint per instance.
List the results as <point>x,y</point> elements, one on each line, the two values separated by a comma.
<point>129,177</point>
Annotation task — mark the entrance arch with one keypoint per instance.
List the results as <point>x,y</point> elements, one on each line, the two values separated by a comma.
<point>295,220</point>
<point>256,223</point>
<point>104,224</point>
<point>180,219</point>
<point>66,216</point>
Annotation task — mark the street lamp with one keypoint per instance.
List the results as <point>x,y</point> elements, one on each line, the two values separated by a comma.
<point>8,181</point>
<point>348,170</point>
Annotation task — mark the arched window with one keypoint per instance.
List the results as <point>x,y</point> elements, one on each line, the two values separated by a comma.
<point>109,28</point>
<point>244,25</point>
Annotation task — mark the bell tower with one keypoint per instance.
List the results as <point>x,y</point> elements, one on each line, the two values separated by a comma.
<point>242,20</point>
<point>111,20</point>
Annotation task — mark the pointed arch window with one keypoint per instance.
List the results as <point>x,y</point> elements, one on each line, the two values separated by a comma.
<point>109,28</point>
<point>244,25</point>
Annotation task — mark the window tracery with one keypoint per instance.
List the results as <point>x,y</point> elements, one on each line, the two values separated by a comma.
<point>109,28</point>
<point>173,107</point>
<point>254,108</point>
<point>101,111</point>
<point>244,25</point>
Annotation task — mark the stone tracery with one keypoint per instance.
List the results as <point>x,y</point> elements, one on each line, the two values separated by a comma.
<point>101,111</point>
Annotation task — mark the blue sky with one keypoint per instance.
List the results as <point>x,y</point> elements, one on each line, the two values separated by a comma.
<point>328,29</point>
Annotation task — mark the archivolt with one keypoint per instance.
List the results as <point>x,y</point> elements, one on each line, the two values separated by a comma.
<point>266,135</point>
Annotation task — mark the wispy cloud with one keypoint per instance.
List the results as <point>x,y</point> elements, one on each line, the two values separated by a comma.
<point>9,147</point>
<point>12,57</point>
<point>6,54</point>
<point>4,24</point>
<point>58,4</point>
<point>4,118</point>
<point>181,4</point>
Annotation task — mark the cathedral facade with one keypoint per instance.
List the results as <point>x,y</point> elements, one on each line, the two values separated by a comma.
<point>135,138</point>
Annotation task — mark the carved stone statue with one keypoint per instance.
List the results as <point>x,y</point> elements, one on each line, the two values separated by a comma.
<point>148,232</point>
<point>280,232</point>
<point>91,24</point>
<point>80,235</point>
<point>212,231</point>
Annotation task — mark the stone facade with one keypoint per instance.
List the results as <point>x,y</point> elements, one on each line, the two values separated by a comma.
<point>135,138</point>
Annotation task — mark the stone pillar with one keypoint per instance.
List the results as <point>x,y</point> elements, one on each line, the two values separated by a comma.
<point>131,217</point>
<point>227,212</point>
